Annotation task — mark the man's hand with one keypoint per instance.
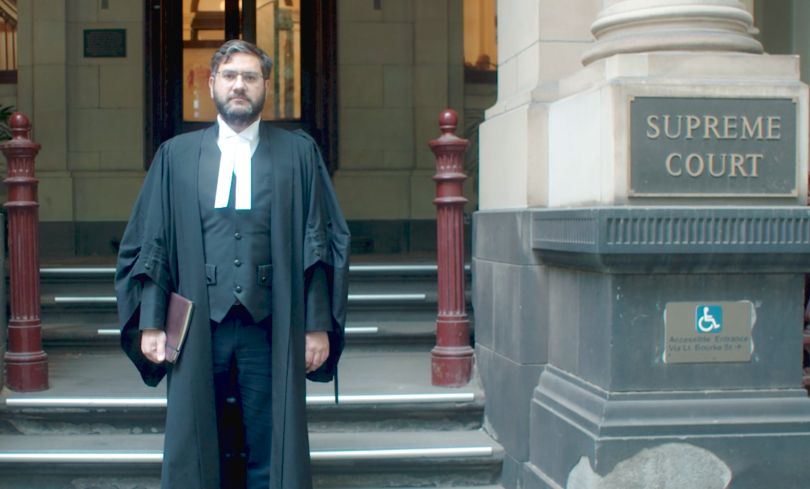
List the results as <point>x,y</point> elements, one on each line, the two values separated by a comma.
<point>153,345</point>
<point>317,349</point>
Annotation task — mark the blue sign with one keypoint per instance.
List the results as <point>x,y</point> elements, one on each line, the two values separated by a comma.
<point>709,319</point>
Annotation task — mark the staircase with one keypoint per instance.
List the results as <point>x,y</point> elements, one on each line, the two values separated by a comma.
<point>99,427</point>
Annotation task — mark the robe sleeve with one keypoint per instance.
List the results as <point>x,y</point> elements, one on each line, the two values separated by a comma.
<point>319,314</point>
<point>153,306</point>
<point>326,244</point>
<point>143,257</point>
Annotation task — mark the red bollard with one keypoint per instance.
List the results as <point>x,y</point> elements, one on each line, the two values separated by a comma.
<point>26,363</point>
<point>452,358</point>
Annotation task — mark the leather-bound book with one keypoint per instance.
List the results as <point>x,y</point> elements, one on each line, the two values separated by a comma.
<point>178,320</point>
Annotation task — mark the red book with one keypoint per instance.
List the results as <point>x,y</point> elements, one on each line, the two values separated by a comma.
<point>178,320</point>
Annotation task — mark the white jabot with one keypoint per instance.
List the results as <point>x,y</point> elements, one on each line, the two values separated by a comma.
<point>237,151</point>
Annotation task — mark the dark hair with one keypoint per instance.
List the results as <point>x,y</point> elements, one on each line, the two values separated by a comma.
<point>238,46</point>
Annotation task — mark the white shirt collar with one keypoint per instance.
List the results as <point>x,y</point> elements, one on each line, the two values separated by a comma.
<point>250,133</point>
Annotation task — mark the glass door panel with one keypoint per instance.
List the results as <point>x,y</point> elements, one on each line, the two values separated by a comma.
<point>300,36</point>
<point>278,33</point>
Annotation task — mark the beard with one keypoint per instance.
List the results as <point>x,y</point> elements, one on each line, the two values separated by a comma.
<point>240,114</point>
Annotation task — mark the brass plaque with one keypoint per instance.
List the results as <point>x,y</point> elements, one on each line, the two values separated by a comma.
<point>713,147</point>
<point>105,43</point>
<point>708,332</point>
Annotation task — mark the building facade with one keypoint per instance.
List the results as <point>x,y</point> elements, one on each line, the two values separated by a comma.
<point>595,255</point>
<point>574,341</point>
<point>399,63</point>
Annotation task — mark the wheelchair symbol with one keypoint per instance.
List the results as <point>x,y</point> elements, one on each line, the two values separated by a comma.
<point>706,322</point>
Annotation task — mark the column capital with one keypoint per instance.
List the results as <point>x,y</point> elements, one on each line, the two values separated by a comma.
<point>638,26</point>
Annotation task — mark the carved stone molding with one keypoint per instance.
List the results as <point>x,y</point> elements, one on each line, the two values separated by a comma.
<point>674,239</point>
<point>639,26</point>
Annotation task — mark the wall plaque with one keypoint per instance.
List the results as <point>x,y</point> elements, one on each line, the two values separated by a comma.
<point>708,332</point>
<point>713,147</point>
<point>105,43</point>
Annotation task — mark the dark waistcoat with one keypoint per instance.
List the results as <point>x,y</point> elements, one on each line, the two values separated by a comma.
<point>237,242</point>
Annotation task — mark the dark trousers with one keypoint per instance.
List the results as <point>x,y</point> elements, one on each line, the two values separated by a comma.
<point>242,364</point>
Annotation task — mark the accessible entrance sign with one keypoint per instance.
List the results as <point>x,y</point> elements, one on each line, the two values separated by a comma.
<point>708,332</point>
<point>713,147</point>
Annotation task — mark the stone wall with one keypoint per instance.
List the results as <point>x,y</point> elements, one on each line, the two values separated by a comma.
<point>542,44</point>
<point>510,300</point>
<point>400,66</point>
<point>782,29</point>
<point>8,97</point>
<point>86,112</point>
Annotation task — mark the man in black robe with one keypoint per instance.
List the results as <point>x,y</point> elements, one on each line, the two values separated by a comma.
<point>268,318</point>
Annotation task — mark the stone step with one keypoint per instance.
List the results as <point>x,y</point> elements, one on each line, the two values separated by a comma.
<point>388,334</point>
<point>372,286</point>
<point>396,298</point>
<point>77,303</point>
<point>383,459</point>
<point>363,279</point>
<point>380,305</point>
<point>378,269</point>
<point>72,301</point>
<point>136,482</point>
<point>99,427</point>
<point>98,391</point>
<point>76,416</point>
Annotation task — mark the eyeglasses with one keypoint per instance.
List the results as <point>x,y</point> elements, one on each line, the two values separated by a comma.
<point>250,78</point>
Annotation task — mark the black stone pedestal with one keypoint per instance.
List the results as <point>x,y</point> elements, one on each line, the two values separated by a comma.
<point>608,410</point>
<point>755,436</point>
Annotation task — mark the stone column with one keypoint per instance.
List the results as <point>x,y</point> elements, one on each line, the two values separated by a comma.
<point>642,26</point>
<point>539,43</point>
<point>672,204</point>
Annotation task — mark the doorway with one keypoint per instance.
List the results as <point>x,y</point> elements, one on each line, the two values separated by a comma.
<point>299,35</point>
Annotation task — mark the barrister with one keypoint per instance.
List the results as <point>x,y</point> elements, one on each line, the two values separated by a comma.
<point>240,218</point>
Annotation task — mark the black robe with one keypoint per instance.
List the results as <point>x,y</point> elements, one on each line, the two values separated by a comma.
<point>163,242</point>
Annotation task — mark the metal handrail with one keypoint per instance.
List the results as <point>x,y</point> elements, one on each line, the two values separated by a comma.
<point>315,455</point>
<point>353,269</point>
<point>156,402</point>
